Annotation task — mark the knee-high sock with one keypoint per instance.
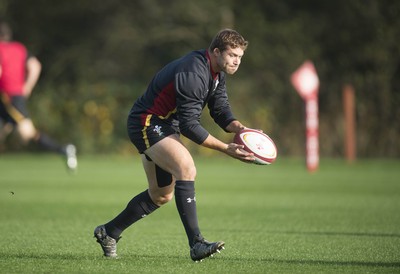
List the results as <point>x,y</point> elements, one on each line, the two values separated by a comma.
<point>139,207</point>
<point>186,204</point>
<point>49,144</point>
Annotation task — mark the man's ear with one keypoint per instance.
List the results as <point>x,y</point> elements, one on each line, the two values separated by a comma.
<point>216,52</point>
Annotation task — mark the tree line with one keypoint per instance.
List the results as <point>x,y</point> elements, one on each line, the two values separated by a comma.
<point>98,57</point>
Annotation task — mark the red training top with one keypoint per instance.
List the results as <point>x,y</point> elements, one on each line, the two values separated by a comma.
<point>13,56</point>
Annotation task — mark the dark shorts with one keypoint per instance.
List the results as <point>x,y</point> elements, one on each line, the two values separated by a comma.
<point>13,109</point>
<point>143,137</point>
<point>154,130</point>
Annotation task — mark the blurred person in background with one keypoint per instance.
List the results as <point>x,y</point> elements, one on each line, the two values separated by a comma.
<point>19,73</point>
<point>172,104</point>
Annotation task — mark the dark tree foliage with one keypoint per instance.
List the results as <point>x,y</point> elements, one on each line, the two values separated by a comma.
<point>98,56</point>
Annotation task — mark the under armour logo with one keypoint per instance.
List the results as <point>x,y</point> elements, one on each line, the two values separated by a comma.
<point>189,200</point>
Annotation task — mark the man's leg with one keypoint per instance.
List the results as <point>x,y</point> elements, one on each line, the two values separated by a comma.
<point>173,156</point>
<point>160,184</point>
<point>17,111</point>
<point>28,132</point>
<point>108,234</point>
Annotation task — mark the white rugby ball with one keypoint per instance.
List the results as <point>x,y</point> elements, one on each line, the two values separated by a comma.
<point>258,143</point>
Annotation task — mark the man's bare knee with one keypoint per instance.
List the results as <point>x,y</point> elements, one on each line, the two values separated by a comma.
<point>188,172</point>
<point>26,130</point>
<point>161,199</point>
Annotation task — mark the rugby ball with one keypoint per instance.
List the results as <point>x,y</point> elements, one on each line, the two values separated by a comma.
<point>258,143</point>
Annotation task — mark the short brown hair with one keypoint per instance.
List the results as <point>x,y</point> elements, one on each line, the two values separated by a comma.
<point>228,37</point>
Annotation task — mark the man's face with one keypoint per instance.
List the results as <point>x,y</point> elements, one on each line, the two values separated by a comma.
<point>229,60</point>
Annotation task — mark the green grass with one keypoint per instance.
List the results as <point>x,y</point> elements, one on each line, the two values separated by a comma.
<point>274,219</point>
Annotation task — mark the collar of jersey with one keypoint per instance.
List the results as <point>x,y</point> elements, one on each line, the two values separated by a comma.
<point>214,74</point>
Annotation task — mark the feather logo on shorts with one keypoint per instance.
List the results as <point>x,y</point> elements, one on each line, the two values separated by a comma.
<point>157,129</point>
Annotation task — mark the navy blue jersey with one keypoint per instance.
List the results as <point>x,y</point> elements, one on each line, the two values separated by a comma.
<point>180,91</point>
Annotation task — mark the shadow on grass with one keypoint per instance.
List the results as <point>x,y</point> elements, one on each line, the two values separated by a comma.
<point>320,233</point>
<point>333,263</point>
<point>279,261</point>
<point>328,233</point>
<point>77,257</point>
<point>29,256</point>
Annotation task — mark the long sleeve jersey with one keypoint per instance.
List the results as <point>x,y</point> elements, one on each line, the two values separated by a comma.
<point>179,92</point>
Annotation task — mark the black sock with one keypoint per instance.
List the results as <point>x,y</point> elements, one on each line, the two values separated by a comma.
<point>47,143</point>
<point>186,203</point>
<point>139,207</point>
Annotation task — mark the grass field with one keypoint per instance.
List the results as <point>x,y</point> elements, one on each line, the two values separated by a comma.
<point>274,219</point>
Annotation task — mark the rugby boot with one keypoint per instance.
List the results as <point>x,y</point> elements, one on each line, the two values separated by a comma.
<point>202,248</point>
<point>108,244</point>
